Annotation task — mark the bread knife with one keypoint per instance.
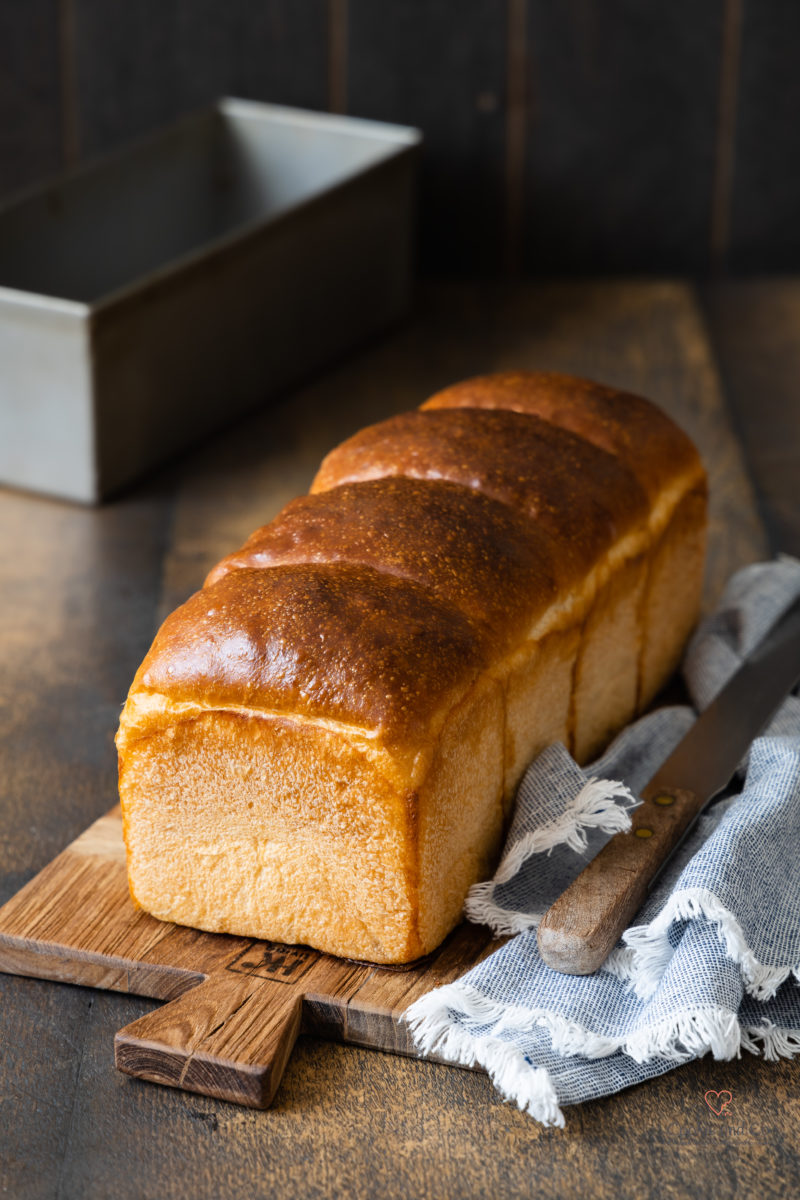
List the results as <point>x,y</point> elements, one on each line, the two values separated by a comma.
<point>582,927</point>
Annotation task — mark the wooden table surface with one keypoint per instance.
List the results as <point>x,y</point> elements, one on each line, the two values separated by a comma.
<point>81,594</point>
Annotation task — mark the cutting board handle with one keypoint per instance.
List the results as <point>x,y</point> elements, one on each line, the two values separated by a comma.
<point>229,1037</point>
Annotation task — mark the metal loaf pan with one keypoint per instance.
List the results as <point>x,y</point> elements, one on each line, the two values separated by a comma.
<point>148,299</point>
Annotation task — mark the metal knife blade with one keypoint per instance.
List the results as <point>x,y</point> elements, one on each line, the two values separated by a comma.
<point>581,928</point>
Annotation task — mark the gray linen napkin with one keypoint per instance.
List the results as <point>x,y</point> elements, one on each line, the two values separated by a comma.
<point>713,961</point>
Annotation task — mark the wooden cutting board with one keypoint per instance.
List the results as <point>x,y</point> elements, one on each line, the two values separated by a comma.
<point>235,1006</point>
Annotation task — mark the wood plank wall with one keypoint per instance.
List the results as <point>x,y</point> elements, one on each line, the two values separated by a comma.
<point>561,137</point>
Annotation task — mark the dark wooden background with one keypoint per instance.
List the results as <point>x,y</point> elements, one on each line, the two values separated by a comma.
<point>562,136</point>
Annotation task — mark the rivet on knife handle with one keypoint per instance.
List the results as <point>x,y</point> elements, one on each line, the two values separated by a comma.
<point>581,929</point>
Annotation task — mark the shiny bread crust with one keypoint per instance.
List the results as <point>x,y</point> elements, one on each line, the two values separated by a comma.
<point>584,497</point>
<point>330,642</point>
<point>490,562</point>
<point>322,745</point>
<point>633,429</point>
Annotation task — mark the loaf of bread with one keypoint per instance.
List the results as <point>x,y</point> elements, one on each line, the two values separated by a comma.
<point>322,745</point>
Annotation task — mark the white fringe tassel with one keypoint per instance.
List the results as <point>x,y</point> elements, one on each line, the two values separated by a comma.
<point>776,1043</point>
<point>681,1037</point>
<point>688,1035</point>
<point>435,1025</point>
<point>596,806</point>
<point>435,1032</point>
<point>652,951</point>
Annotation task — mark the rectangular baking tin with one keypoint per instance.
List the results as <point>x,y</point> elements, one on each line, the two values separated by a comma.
<point>146,300</point>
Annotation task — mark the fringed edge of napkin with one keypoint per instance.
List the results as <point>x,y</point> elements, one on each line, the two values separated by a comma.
<point>776,1042</point>
<point>648,950</point>
<point>680,1038</point>
<point>596,806</point>
<point>511,1072</point>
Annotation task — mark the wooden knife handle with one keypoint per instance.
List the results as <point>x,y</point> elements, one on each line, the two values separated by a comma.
<point>581,929</point>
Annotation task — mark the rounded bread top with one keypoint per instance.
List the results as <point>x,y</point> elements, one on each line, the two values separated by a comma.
<point>650,444</point>
<point>338,643</point>
<point>494,564</point>
<point>579,494</point>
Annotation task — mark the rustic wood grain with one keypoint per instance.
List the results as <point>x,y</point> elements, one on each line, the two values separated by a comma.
<point>647,142</point>
<point>351,1123</point>
<point>445,72</point>
<point>138,66</point>
<point>764,231</point>
<point>77,603</point>
<point>236,1005</point>
<point>582,927</point>
<point>30,94</point>
<point>78,607</point>
<point>621,135</point>
<point>755,328</point>
<point>726,131</point>
<point>229,1038</point>
<point>516,119</point>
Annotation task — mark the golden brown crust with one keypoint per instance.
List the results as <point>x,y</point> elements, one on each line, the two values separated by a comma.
<point>632,428</point>
<point>581,495</point>
<point>334,642</point>
<point>493,564</point>
<point>320,743</point>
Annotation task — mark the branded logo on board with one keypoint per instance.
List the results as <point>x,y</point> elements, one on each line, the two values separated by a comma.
<point>269,960</point>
